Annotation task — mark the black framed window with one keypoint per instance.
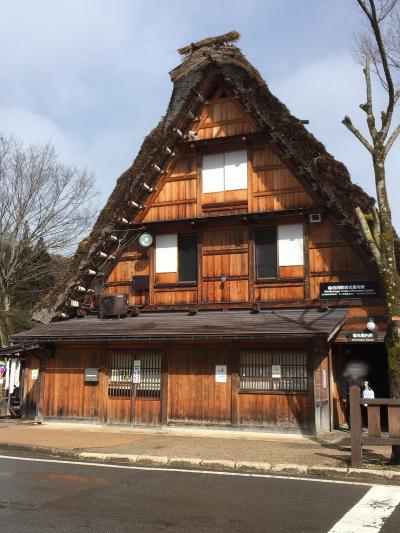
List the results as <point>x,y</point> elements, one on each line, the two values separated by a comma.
<point>266,253</point>
<point>264,371</point>
<point>135,375</point>
<point>187,257</point>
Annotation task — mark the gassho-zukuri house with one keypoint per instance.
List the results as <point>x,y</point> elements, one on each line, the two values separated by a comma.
<point>226,281</point>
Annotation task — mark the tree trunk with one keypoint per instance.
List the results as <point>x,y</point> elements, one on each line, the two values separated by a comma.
<point>390,285</point>
<point>5,319</point>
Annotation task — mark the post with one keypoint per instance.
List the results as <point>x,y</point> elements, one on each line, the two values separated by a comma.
<point>39,415</point>
<point>355,422</point>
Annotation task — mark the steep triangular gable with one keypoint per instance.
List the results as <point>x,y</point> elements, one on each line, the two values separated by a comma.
<point>204,63</point>
<point>223,116</point>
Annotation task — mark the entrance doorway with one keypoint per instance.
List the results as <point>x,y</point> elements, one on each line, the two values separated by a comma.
<point>133,388</point>
<point>200,386</point>
<point>374,357</point>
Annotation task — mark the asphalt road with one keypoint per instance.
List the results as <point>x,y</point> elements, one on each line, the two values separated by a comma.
<point>65,496</point>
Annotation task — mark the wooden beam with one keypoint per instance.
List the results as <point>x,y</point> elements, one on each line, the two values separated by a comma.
<point>355,418</point>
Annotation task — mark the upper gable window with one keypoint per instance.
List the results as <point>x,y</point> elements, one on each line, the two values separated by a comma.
<point>225,171</point>
<point>276,247</point>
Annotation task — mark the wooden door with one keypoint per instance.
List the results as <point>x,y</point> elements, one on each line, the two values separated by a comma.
<point>133,393</point>
<point>196,395</point>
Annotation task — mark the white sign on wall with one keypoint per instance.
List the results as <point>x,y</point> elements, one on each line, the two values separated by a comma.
<point>220,373</point>
<point>136,371</point>
<point>35,373</point>
<point>276,371</point>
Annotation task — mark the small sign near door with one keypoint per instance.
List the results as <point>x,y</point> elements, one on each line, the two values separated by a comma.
<point>276,371</point>
<point>362,336</point>
<point>136,371</point>
<point>35,374</point>
<point>220,373</point>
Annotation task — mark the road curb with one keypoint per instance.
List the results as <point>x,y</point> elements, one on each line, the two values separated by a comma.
<point>373,475</point>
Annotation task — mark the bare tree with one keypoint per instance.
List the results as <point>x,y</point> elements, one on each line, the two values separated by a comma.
<point>44,205</point>
<point>379,49</point>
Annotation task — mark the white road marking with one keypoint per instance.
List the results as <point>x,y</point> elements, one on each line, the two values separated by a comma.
<point>188,471</point>
<point>371,512</point>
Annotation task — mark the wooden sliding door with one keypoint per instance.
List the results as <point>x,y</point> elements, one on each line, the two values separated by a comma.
<point>133,387</point>
<point>199,385</point>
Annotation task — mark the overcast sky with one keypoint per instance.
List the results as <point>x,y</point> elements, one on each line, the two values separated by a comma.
<point>92,75</point>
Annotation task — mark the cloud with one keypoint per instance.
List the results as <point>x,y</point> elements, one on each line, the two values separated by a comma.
<point>326,90</point>
<point>92,76</point>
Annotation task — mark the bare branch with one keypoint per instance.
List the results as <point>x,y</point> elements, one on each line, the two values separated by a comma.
<point>367,107</point>
<point>392,139</point>
<point>349,125</point>
<point>368,235</point>
<point>45,206</point>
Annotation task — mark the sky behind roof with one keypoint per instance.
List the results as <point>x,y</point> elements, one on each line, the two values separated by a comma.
<point>91,76</point>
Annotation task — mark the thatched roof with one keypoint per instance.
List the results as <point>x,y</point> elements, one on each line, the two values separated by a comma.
<point>204,64</point>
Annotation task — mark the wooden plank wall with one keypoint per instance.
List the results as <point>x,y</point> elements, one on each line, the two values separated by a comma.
<point>223,116</point>
<point>332,258</point>
<point>191,393</point>
<point>274,410</point>
<point>225,253</point>
<point>272,188</point>
<point>134,261</point>
<point>194,396</point>
<point>65,392</point>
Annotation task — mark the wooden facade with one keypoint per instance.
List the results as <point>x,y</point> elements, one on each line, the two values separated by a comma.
<point>246,211</point>
<point>189,393</point>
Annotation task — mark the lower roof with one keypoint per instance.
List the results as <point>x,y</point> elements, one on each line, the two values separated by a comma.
<point>266,324</point>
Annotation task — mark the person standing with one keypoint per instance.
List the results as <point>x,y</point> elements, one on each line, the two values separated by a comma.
<point>367,393</point>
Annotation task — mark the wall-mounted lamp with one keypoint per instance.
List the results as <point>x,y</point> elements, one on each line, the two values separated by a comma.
<point>145,240</point>
<point>371,324</point>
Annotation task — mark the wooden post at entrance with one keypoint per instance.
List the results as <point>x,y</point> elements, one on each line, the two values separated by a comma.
<point>355,420</point>
<point>39,415</point>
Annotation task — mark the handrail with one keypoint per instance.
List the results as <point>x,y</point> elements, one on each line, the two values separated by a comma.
<point>374,435</point>
<point>379,401</point>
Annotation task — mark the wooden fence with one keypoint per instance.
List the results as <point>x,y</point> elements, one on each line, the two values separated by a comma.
<point>374,435</point>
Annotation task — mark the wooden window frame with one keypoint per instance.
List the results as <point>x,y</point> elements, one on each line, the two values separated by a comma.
<point>271,280</point>
<point>121,366</point>
<point>224,152</point>
<point>266,379</point>
<point>178,283</point>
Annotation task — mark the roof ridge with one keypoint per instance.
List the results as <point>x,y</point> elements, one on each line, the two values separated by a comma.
<point>218,40</point>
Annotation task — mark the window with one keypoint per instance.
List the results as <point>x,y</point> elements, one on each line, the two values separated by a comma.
<point>273,371</point>
<point>266,253</point>
<point>177,254</point>
<point>166,253</point>
<point>225,171</point>
<point>135,375</point>
<point>187,257</point>
<point>290,238</point>
<point>278,247</point>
